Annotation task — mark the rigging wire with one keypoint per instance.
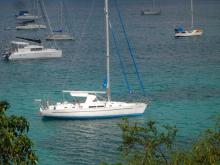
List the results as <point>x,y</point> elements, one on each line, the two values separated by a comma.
<point>130,48</point>
<point>46,19</point>
<point>81,35</point>
<point>69,18</point>
<point>119,56</point>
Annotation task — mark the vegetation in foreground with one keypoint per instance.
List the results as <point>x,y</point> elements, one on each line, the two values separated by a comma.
<point>15,146</point>
<point>152,145</point>
<point>142,144</point>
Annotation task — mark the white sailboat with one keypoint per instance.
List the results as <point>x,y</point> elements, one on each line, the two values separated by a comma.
<point>152,11</point>
<point>180,32</point>
<point>26,15</point>
<point>29,19</point>
<point>29,14</point>
<point>30,25</point>
<point>24,50</point>
<point>60,34</point>
<point>94,106</point>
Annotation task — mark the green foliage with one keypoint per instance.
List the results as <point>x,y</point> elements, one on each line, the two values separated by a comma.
<point>205,151</point>
<point>15,146</point>
<point>152,145</point>
<point>145,144</point>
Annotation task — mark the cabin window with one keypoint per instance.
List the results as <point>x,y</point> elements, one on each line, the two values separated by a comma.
<point>100,106</point>
<point>92,106</point>
<point>36,49</point>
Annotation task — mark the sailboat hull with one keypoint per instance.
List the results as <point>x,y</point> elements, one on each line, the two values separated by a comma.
<point>59,37</point>
<point>197,32</point>
<point>27,17</point>
<point>30,27</point>
<point>151,12</point>
<point>130,109</point>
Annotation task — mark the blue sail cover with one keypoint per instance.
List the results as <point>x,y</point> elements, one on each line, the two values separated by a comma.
<point>58,31</point>
<point>179,30</point>
<point>23,12</point>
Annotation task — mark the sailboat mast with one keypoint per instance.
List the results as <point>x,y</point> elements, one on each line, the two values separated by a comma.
<point>108,93</point>
<point>192,15</point>
<point>61,15</point>
<point>44,12</point>
<point>153,4</point>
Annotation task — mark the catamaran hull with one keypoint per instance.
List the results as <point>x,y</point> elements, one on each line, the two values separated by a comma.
<point>36,55</point>
<point>95,113</point>
<point>189,34</point>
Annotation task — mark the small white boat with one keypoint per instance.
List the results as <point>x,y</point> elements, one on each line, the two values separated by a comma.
<point>95,105</point>
<point>186,33</point>
<point>60,36</point>
<point>152,11</point>
<point>180,32</point>
<point>25,15</point>
<point>24,50</point>
<point>30,26</point>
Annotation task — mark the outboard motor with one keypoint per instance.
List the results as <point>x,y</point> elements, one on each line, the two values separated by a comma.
<point>176,30</point>
<point>6,55</point>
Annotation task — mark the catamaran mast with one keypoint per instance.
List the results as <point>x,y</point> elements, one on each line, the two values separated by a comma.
<point>108,93</point>
<point>192,14</point>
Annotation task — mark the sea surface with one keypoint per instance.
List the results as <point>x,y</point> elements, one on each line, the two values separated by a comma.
<point>181,76</point>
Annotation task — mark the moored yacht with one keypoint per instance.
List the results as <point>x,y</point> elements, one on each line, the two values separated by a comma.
<point>61,33</point>
<point>28,25</point>
<point>180,32</point>
<point>152,11</point>
<point>59,36</point>
<point>94,104</point>
<point>25,15</point>
<point>24,50</point>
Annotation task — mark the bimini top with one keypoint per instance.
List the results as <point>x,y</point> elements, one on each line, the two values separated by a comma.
<point>19,43</point>
<point>83,93</point>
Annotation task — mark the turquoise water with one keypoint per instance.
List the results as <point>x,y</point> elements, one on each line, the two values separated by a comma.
<point>181,76</point>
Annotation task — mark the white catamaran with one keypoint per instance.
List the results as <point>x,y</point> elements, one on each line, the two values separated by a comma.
<point>180,32</point>
<point>24,50</point>
<point>94,106</point>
